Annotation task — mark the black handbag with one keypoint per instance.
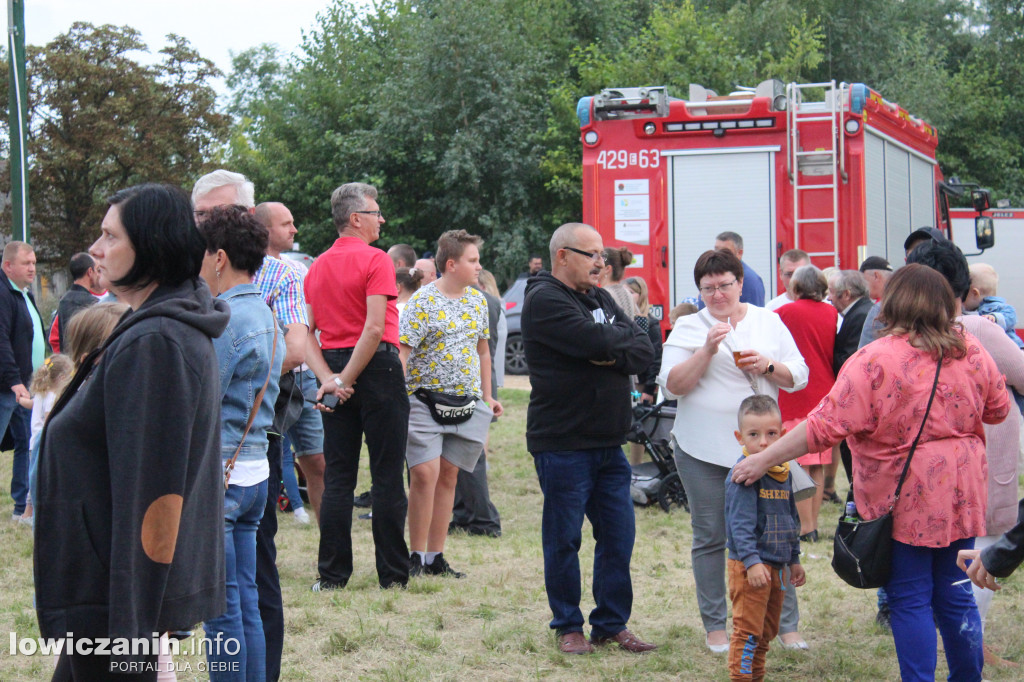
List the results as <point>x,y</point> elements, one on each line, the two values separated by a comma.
<point>288,407</point>
<point>862,550</point>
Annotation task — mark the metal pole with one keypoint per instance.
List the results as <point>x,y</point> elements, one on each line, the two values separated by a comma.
<point>18,115</point>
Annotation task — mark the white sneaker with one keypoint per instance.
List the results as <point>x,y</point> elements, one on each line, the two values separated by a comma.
<point>301,515</point>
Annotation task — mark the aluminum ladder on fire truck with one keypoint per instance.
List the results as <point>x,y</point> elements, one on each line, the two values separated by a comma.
<point>824,163</point>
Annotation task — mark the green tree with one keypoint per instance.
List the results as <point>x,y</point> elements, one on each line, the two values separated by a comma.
<point>441,104</point>
<point>100,121</point>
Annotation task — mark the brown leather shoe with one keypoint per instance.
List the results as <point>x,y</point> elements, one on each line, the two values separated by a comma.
<point>626,640</point>
<point>574,643</point>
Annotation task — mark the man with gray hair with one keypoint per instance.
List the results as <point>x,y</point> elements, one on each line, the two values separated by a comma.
<point>849,293</point>
<point>753,287</point>
<point>351,291</point>
<point>790,262</point>
<point>581,350</point>
<point>281,289</point>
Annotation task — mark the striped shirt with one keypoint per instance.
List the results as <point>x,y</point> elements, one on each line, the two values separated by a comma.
<point>281,287</point>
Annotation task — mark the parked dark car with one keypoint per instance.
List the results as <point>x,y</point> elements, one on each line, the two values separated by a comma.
<point>515,354</point>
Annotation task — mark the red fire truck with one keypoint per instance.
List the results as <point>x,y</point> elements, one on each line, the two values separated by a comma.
<point>835,170</point>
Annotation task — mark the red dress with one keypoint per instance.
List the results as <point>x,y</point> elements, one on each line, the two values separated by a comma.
<point>813,326</point>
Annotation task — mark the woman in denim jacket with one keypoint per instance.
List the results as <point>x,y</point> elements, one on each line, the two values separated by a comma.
<point>235,245</point>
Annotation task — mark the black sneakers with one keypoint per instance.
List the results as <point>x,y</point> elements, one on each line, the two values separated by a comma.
<point>440,567</point>
<point>415,565</point>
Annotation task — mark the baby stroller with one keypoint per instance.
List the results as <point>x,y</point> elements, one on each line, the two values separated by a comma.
<point>657,480</point>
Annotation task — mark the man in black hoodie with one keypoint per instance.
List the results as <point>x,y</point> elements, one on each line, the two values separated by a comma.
<point>581,350</point>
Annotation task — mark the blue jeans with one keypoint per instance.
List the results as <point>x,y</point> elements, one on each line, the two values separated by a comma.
<point>291,483</point>
<point>596,483</point>
<point>243,509</point>
<point>921,584</point>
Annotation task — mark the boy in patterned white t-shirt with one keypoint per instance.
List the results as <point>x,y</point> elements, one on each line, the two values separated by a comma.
<point>443,334</point>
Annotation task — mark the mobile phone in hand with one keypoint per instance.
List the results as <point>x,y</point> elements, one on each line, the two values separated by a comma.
<point>330,401</point>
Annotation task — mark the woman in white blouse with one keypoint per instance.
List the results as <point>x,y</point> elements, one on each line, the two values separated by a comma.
<point>711,362</point>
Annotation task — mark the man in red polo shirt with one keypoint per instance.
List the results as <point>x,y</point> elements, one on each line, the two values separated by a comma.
<point>351,294</point>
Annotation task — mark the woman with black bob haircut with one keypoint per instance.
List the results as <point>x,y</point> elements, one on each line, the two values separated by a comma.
<point>249,359</point>
<point>159,223</point>
<point>129,464</point>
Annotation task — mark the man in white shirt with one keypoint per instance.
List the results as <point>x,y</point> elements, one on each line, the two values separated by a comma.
<point>788,264</point>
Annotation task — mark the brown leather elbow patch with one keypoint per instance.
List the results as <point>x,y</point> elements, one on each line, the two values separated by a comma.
<point>160,528</point>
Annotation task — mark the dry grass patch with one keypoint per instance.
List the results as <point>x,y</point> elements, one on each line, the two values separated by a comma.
<point>492,625</point>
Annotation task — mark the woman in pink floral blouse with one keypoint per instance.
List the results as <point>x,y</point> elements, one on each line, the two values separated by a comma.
<point>877,404</point>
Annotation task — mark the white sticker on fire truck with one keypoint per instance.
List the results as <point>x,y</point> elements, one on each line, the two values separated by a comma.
<point>632,186</point>
<point>638,261</point>
<point>633,207</point>
<point>633,231</point>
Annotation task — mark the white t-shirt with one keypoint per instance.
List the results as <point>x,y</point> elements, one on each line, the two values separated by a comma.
<point>777,302</point>
<point>706,417</point>
<point>41,406</point>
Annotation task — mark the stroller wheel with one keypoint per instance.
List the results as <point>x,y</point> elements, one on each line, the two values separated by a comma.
<point>671,493</point>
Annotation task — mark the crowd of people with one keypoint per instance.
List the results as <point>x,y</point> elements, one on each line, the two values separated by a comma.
<point>190,336</point>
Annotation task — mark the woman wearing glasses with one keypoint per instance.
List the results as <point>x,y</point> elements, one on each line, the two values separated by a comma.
<point>711,362</point>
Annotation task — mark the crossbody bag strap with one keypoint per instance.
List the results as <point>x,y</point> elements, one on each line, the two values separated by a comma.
<point>913,447</point>
<point>230,464</point>
<point>707,323</point>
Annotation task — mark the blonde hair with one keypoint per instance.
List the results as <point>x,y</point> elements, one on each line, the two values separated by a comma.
<point>53,375</point>
<point>638,286</point>
<point>681,310</point>
<point>489,284</point>
<point>88,329</point>
<point>984,278</point>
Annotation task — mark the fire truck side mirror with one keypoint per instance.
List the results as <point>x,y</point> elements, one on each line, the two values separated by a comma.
<point>981,199</point>
<point>984,232</point>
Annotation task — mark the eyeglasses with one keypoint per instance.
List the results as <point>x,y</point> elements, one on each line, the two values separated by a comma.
<point>373,213</point>
<point>592,256</point>
<point>724,288</point>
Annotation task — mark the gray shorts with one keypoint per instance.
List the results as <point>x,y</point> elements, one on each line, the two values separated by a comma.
<point>460,444</point>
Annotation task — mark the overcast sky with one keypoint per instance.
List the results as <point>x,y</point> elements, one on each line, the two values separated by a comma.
<point>214,27</point>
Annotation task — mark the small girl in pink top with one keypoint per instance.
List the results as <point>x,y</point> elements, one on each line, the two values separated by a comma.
<point>878,404</point>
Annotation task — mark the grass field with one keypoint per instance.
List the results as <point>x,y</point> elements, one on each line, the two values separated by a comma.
<point>493,624</point>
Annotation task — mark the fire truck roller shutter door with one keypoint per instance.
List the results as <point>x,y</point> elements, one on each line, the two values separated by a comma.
<point>715,192</point>
<point>899,195</point>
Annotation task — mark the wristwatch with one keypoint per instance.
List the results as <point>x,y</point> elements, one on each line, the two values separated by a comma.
<point>339,382</point>
<point>770,369</point>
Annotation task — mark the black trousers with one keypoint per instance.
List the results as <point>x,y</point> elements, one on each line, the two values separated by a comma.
<point>379,409</point>
<point>268,582</point>
<point>474,511</point>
